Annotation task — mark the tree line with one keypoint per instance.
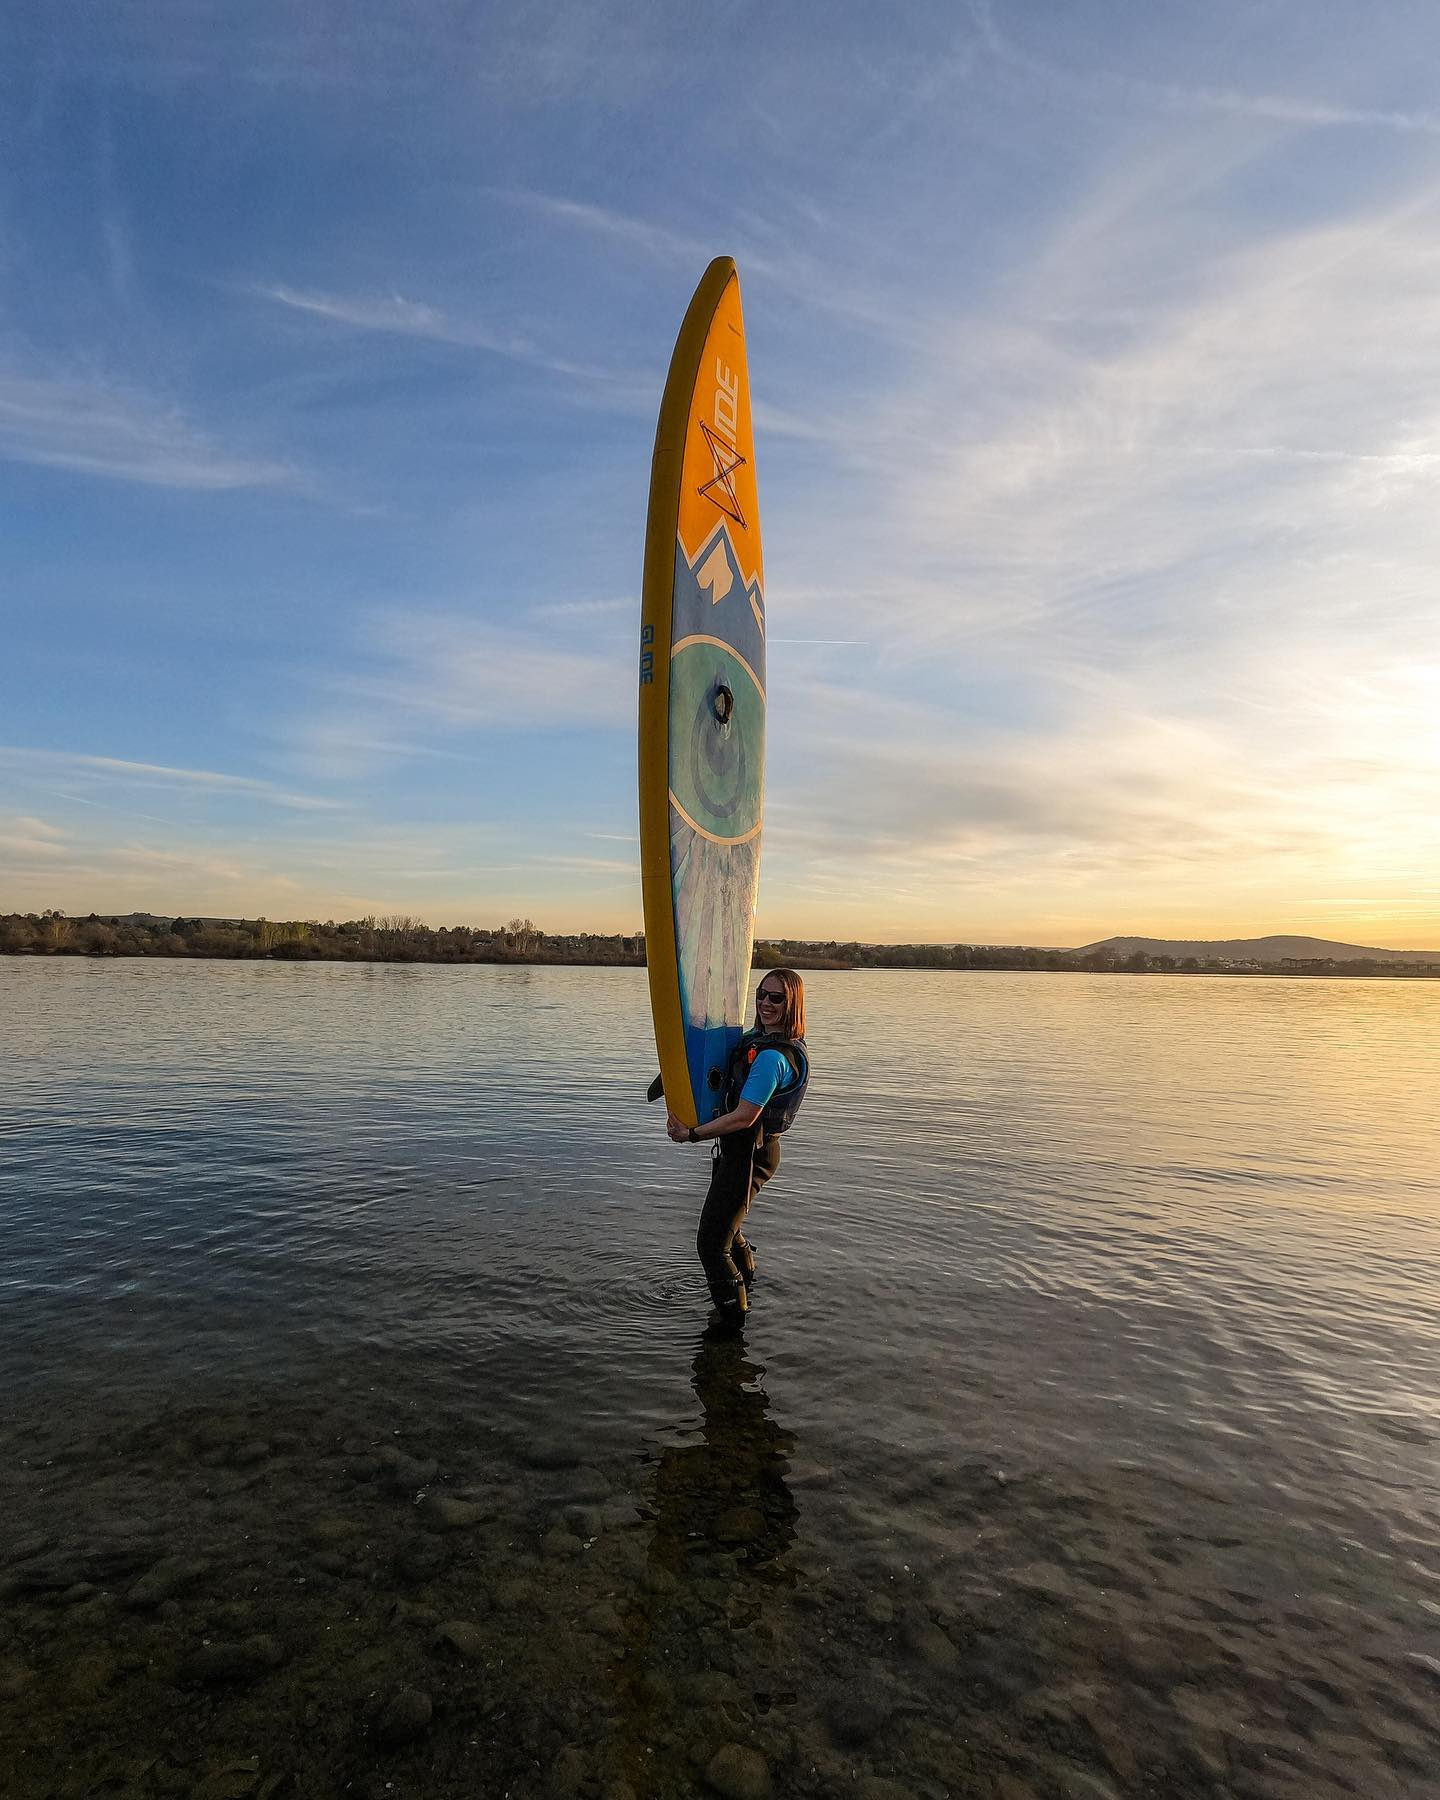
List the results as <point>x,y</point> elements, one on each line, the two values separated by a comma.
<point>399,938</point>
<point>393,938</point>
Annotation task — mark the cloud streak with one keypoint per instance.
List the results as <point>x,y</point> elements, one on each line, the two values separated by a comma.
<point>92,427</point>
<point>1281,109</point>
<point>117,771</point>
<point>396,316</point>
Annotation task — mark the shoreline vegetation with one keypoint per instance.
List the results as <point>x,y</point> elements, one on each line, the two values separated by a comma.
<point>400,938</point>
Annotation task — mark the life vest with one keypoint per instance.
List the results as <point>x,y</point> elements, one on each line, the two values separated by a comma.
<point>782,1106</point>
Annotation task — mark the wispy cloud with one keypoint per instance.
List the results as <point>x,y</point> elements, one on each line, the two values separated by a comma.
<point>400,317</point>
<point>1129,499</point>
<point>462,672</point>
<point>21,834</point>
<point>428,682</point>
<point>119,772</point>
<point>410,318</point>
<point>117,812</point>
<point>588,609</point>
<point>828,287</point>
<point>1283,109</point>
<point>652,240</point>
<point>94,427</point>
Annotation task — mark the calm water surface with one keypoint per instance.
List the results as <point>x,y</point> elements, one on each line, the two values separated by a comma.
<point>1083,1441</point>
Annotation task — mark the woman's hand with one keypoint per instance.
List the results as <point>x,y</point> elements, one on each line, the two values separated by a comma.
<point>741,1118</point>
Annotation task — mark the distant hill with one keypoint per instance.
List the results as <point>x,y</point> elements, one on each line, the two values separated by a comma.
<point>1258,950</point>
<point>143,918</point>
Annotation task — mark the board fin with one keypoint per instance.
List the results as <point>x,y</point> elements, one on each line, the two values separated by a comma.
<point>656,1089</point>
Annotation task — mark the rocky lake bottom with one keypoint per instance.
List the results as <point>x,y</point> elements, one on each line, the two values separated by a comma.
<point>358,1591</point>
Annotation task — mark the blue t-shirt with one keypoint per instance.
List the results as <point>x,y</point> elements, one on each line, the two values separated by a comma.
<point>770,1073</point>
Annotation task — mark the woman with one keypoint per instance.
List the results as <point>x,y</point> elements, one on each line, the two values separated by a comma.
<point>768,1073</point>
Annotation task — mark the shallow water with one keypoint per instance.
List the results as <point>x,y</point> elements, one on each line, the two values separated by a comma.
<point>1083,1440</point>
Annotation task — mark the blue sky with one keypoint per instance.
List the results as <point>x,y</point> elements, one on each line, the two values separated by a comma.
<point>1096,360</point>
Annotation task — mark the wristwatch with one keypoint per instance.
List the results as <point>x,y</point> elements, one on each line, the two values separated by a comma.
<point>693,1138</point>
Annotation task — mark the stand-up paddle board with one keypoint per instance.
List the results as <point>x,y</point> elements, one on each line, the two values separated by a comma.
<point>702,702</point>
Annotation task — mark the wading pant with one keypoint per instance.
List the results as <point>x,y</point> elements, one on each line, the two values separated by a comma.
<point>741,1168</point>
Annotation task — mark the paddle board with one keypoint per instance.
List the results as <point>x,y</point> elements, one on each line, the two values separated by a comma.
<point>702,702</point>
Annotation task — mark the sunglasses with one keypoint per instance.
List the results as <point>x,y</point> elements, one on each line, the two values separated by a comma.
<point>770,996</point>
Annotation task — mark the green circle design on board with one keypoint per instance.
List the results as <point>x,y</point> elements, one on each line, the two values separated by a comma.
<point>716,768</point>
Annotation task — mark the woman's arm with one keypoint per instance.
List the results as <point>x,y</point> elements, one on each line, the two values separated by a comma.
<point>741,1118</point>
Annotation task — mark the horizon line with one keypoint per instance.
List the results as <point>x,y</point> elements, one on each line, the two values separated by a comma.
<point>408,922</point>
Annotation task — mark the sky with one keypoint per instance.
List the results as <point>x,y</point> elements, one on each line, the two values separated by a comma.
<point>1095,353</point>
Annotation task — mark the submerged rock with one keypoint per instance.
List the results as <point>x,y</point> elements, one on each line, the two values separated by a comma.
<point>404,1717</point>
<point>860,1711</point>
<point>467,1639</point>
<point>51,1576</point>
<point>585,1521</point>
<point>167,1578</point>
<point>15,1677</point>
<point>232,1615</point>
<point>549,1453</point>
<point>738,1773</point>
<point>740,1525</point>
<point>404,1474</point>
<point>36,1544</point>
<point>417,1618</point>
<point>711,1687</point>
<point>604,1619</point>
<point>421,1559</point>
<point>929,1645</point>
<point>567,1773</point>
<point>236,1781</point>
<point>443,1513</point>
<point>331,1529</point>
<point>111,1561</point>
<point>214,1665</point>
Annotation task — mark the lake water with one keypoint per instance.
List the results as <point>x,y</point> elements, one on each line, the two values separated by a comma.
<point>360,1435</point>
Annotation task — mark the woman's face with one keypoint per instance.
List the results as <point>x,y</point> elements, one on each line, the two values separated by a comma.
<point>769,1004</point>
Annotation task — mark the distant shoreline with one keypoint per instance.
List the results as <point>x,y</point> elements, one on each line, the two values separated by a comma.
<point>521,943</point>
<point>1341,971</point>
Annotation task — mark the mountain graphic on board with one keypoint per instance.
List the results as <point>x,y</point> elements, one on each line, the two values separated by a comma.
<point>717,573</point>
<point>714,597</point>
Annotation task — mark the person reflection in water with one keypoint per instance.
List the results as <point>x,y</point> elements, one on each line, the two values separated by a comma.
<point>727,1494</point>
<point>765,1083</point>
<point>723,1519</point>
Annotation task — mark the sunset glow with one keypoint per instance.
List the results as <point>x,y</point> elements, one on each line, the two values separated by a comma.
<point>1094,354</point>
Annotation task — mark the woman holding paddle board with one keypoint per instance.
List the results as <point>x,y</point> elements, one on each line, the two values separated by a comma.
<point>702,785</point>
<point>765,1083</point>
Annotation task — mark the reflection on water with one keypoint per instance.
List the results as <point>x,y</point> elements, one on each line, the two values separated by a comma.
<point>727,1492</point>
<point>1082,1440</point>
<point>721,1517</point>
